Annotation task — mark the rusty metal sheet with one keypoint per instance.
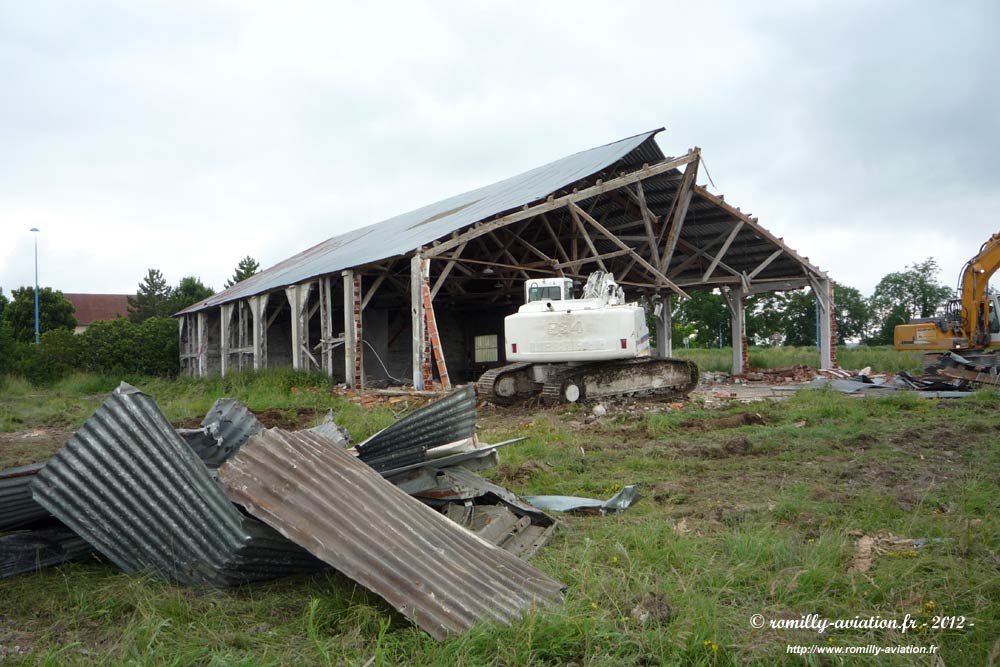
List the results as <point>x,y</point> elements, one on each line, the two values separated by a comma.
<point>433,571</point>
<point>17,508</point>
<point>31,550</point>
<point>128,484</point>
<point>405,443</point>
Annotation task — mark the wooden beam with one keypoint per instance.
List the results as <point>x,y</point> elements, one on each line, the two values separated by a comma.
<point>679,212</point>
<point>614,239</point>
<point>559,202</point>
<point>763,265</point>
<point>447,269</point>
<point>374,288</point>
<point>556,242</point>
<point>647,219</point>
<point>723,250</point>
<point>575,211</point>
<point>585,260</point>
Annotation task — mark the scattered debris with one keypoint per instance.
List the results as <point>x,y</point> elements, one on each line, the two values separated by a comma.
<point>223,431</point>
<point>619,502</point>
<point>128,485</point>
<point>866,547</point>
<point>344,512</point>
<point>448,420</point>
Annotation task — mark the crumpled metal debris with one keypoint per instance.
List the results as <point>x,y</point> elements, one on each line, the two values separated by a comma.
<point>431,570</point>
<point>129,485</point>
<point>406,442</point>
<point>223,431</point>
<point>332,431</point>
<point>619,502</point>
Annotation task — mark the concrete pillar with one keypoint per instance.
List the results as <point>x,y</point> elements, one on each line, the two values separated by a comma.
<point>202,344</point>
<point>224,322</point>
<point>353,332</point>
<point>292,294</point>
<point>665,327</point>
<point>257,305</point>
<point>418,323</point>
<point>823,291</point>
<point>736,302</point>
<point>326,324</point>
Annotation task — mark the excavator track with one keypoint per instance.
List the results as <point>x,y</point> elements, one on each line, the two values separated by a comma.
<point>646,377</point>
<point>507,385</point>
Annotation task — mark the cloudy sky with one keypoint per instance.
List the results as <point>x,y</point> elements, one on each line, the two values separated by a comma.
<point>186,136</point>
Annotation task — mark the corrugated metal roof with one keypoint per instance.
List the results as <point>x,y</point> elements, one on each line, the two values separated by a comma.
<point>90,308</point>
<point>17,508</point>
<point>448,420</point>
<point>32,550</point>
<point>224,429</point>
<point>409,231</point>
<point>128,484</point>
<point>433,571</point>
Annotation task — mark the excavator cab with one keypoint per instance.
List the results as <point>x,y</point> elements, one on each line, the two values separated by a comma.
<point>548,289</point>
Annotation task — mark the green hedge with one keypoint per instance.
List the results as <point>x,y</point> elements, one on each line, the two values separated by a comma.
<point>117,347</point>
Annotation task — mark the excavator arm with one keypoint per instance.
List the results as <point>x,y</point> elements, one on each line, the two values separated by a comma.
<point>975,279</point>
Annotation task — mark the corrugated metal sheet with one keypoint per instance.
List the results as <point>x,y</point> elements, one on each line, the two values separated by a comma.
<point>405,442</point>
<point>32,550</point>
<point>17,508</point>
<point>129,485</point>
<point>223,431</point>
<point>406,232</point>
<point>433,571</point>
<point>330,429</point>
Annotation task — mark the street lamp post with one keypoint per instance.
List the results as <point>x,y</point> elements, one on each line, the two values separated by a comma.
<point>37,331</point>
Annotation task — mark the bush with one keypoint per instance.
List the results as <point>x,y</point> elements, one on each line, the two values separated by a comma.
<point>119,347</point>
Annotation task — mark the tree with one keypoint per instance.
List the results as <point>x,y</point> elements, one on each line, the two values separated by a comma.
<point>706,313</point>
<point>152,299</point>
<point>190,290</point>
<point>3,303</point>
<point>851,312</point>
<point>247,267</point>
<point>55,312</point>
<point>903,295</point>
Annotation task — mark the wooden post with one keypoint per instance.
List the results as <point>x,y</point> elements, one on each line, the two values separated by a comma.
<point>417,321</point>
<point>435,338</point>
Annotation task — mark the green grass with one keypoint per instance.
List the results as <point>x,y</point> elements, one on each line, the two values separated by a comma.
<point>884,359</point>
<point>735,521</point>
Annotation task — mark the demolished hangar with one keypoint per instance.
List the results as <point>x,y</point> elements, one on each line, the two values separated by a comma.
<point>422,296</point>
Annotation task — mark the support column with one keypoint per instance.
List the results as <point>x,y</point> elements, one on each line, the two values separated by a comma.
<point>202,344</point>
<point>665,327</point>
<point>736,302</point>
<point>823,291</point>
<point>419,274</point>
<point>294,295</point>
<point>224,321</point>
<point>258,304</point>
<point>326,325</point>
<point>353,331</point>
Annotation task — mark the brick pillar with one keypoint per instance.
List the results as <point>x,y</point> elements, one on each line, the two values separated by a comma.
<point>359,350</point>
<point>833,328</point>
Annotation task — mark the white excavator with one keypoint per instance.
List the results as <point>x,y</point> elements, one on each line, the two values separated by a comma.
<point>567,349</point>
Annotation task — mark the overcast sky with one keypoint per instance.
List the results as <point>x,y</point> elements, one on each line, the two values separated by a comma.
<point>186,136</point>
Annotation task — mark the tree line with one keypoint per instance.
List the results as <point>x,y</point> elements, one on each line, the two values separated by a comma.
<point>144,343</point>
<point>789,318</point>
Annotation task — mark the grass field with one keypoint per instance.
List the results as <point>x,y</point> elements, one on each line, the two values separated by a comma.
<point>748,509</point>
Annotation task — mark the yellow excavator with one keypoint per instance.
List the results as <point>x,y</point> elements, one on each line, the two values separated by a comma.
<point>965,341</point>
